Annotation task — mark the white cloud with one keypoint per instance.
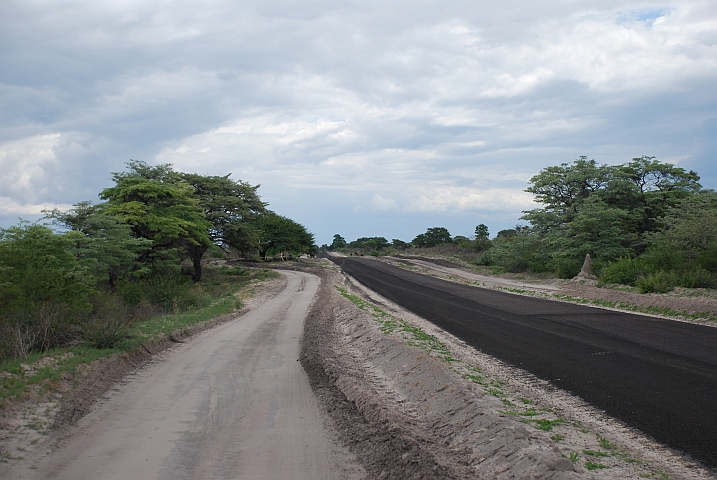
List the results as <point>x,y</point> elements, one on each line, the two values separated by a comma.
<point>9,207</point>
<point>21,164</point>
<point>402,110</point>
<point>380,203</point>
<point>465,199</point>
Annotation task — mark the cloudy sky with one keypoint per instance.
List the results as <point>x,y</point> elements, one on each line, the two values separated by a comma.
<point>364,118</point>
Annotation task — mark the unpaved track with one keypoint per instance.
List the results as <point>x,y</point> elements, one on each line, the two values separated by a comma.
<point>233,402</point>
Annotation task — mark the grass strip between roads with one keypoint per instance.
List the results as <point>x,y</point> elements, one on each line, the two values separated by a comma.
<point>626,306</point>
<point>41,372</point>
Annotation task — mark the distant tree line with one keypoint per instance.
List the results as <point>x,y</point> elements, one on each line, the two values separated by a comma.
<point>142,243</point>
<point>644,223</point>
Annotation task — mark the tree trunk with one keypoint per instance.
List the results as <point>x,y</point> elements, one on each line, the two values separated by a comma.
<point>196,253</point>
<point>197,267</point>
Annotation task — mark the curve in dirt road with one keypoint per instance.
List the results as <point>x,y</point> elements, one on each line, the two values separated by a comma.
<point>657,375</point>
<point>233,402</point>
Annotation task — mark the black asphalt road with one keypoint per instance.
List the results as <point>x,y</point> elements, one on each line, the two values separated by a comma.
<point>656,375</point>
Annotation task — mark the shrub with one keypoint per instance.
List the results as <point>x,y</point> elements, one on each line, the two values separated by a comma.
<point>625,271</point>
<point>513,254</point>
<point>171,293</point>
<point>660,282</point>
<point>568,267</point>
<point>707,259</point>
<point>108,324</point>
<point>696,277</point>
<point>132,293</point>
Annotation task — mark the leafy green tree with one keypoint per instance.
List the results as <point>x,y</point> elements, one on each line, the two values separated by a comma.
<point>339,242</point>
<point>482,242</point>
<point>103,239</point>
<point>597,229</point>
<point>656,187</point>
<point>607,211</point>
<point>690,230</point>
<point>43,287</point>
<point>433,237</point>
<point>561,189</point>
<point>280,234</point>
<point>231,208</point>
<point>400,244</point>
<point>160,207</point>
<point>370,243</point>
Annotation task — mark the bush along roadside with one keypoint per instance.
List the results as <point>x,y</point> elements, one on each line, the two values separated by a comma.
<point>174,309</point>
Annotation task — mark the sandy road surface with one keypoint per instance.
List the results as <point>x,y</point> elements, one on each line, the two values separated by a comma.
<point>233,402</point>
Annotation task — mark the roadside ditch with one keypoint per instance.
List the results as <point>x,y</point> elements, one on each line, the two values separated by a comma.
<point>411,401</point>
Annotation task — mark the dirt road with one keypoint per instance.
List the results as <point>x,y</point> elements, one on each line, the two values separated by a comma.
<point>233,402</point>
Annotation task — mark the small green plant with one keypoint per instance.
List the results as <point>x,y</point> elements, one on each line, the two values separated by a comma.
<point>526,401</point>
<point>596,453</point>
<point>606,444</point>
<point>595,466</point>
<point>573,456</point>
<point>476,379</point>
<point>496,392</point>
<point>547,425</point>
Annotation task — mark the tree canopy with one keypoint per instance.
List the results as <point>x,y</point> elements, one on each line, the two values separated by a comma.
<point>279,234</point>
<point>433,237</point>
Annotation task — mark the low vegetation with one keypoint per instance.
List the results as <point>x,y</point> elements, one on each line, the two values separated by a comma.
<point>135,324</point>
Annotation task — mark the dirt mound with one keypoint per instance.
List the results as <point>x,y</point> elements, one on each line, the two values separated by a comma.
<point>405,413</point>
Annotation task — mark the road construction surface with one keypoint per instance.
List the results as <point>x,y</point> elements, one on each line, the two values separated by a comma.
<point>234,402</point>
<point>659,376</point>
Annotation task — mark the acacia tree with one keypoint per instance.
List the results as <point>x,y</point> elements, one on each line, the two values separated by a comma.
<point>433,237</point>
<point>281,234</point>
<point>160,207</point>
<point>103,239</point>
<point>339,242</point>
<point>216,210</point>
<point>604,210</point>
<point>232,209</point>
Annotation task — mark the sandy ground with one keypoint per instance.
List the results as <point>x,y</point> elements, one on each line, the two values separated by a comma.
<point>378,406</point>
<point>231,403</point>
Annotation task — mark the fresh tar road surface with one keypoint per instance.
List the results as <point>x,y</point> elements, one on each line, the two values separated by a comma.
<point>657,375</point>
<point>233,402</point>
